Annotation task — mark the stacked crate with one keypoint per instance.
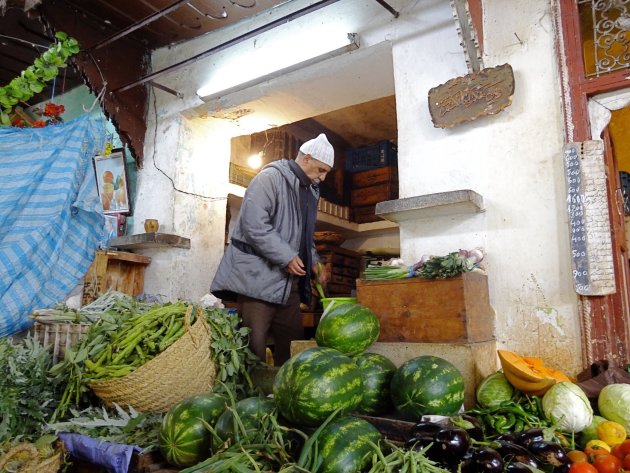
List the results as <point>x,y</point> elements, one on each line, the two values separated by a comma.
<point>343,266</point>
<point>374,178</point>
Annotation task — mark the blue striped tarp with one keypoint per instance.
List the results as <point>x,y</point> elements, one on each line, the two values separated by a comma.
<point>51,219</point>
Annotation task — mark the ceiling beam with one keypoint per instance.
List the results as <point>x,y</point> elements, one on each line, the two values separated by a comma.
<point>227,44</point>
<point>137,25</point>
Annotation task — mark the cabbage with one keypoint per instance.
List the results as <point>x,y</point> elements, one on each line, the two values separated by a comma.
<point>566,405</point>
<point>614,403</point>
<point>493,390</point>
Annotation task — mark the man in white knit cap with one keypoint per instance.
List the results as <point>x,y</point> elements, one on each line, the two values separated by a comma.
<point>268,265</point>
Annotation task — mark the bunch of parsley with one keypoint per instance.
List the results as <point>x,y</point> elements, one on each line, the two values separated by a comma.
<point>27,394</point>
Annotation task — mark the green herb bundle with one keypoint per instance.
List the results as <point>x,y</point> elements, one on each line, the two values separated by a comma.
<point>453,264</point>
<point>388,272</point>
<point>230,352</point>
<point>114,425</point>
<point>27,395</point>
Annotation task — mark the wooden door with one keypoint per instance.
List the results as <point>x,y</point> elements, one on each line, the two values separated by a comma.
<point>605,318</point>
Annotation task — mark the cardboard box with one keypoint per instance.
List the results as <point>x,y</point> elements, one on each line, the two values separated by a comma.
<point>452,310</point>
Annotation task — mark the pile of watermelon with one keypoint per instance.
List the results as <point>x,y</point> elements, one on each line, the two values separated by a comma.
<point>319,388</point>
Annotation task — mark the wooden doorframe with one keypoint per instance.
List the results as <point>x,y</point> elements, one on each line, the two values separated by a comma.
<point>604,318</point>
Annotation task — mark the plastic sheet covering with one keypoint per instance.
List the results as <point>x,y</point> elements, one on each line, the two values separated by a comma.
<point>51,219</point>
<point>114,457</point>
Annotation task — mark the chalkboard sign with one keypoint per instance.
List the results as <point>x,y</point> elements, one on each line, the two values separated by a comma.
<point>589,223</point>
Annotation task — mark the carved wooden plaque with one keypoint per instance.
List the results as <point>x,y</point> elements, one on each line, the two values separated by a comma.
<point>467,98</point>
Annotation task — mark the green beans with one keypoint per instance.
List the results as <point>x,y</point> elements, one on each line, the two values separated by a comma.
<point>403,461</point>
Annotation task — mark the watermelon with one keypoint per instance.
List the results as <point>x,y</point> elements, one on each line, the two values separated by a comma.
<point>250,411</point>
<point>344,446</point>
<point>184,438</point>
<point>427,385</point>
<point>376,372</point>
<point>349,328</point>
<point>316,382</point>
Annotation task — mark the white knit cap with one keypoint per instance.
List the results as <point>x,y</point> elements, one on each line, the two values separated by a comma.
<point>320,149</point>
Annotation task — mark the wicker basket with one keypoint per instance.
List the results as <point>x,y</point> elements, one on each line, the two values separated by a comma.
<point>51,464</point>
<point>182,370</point>
<point>58,336</point>
<point>33,463</point>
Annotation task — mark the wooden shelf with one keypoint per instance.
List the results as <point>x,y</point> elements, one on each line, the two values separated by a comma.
<point>458,202</point>
<point>150,240</point>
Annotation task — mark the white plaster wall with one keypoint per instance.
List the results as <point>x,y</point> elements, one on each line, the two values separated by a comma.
<point>513,159</point>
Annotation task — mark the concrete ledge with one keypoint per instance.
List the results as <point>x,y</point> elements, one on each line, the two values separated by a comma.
<point>459,202</point>
<point>474,360</point>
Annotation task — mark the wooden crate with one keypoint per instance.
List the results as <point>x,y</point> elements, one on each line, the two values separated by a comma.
<point>374,176</point>
<point>114,271</point>
<point>373,194</point>
<point>453,310</point>
<point>59,336</point>
<point>364,214</point>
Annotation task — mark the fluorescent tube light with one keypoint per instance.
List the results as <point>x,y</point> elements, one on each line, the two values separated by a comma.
<point>208,92</point>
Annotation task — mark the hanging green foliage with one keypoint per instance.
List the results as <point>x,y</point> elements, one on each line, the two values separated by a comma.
<point>33,79</point>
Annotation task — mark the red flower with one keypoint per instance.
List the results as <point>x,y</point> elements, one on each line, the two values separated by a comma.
<point>17,121</point>
<point>39,124</point>
<point>53,110</point>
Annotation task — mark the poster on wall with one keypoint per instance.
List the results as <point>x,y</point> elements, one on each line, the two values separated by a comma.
<point>111,181</point>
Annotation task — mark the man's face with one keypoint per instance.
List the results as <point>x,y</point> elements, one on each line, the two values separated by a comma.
<point>315,170</point>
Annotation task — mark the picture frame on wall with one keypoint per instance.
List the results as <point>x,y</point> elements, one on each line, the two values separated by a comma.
<point>112,182</point>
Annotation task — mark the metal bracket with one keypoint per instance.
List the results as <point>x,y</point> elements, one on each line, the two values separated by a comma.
<point>467,34</point>
<point>166,89</point>
<point>389,8</point>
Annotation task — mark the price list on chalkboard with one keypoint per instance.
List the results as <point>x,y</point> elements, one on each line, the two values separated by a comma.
<point>575,207</point>
<point>589,222</point>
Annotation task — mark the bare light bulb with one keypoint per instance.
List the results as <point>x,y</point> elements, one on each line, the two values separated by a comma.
<point>255,160</point>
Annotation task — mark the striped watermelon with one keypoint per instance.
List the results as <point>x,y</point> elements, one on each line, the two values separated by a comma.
<point>349,328</point>
<point>250,411</point>
<point>184,438</point>
<point>343,445</point>
<point>376,372</point>
<point>427,385</point>
<point>314,383</point>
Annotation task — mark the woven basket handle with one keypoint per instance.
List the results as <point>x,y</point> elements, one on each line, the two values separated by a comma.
<point>187,324</point>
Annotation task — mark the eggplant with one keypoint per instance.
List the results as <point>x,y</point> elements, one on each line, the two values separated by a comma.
<point>515,453</point>
<point>528,436</point>
<point>509,437</point>
<point>466,463</point>
<point>470,424</point>
<point>516,467</point>
<point>452,443</point>
<point>487,460</point>
<point>420,443</point>
<point>422,429</point>
<point>548,452</point>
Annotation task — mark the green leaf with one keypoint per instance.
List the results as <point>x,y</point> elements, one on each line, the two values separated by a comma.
<point>60,35</point>
<point>37,87</point>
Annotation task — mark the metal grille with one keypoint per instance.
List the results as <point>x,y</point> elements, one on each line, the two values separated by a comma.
<point>605,26</point>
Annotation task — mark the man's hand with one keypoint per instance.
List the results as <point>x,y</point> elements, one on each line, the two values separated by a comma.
<point>296,267</point>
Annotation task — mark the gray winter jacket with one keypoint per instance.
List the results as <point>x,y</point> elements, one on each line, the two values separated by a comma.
<point>265,237</point>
